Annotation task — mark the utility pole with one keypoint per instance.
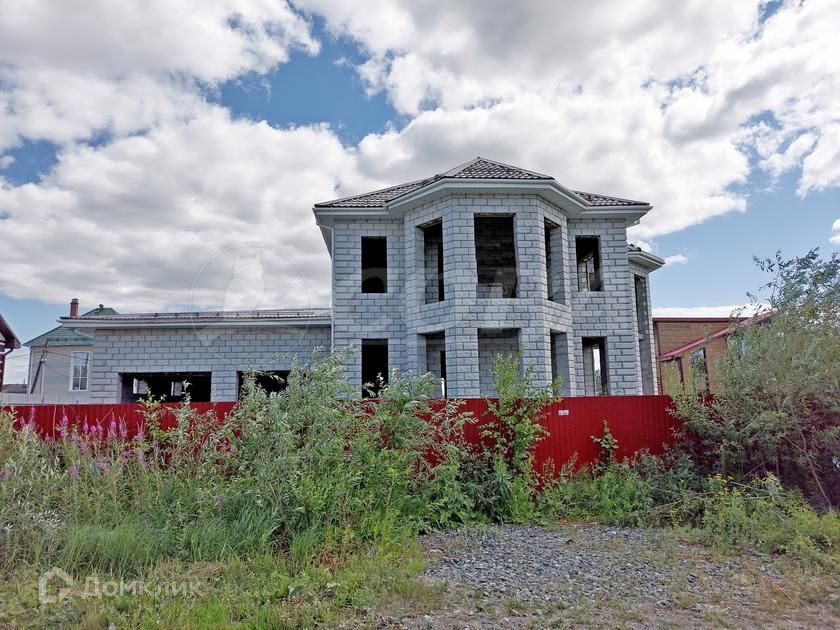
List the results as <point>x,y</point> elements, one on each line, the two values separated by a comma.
<point>41,363</point>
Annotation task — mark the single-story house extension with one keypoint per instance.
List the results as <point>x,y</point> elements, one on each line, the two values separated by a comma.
<point>440,274</point>
<point>684,344</point>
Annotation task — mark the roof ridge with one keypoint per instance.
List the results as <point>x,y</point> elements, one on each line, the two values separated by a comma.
<point>465,165</point>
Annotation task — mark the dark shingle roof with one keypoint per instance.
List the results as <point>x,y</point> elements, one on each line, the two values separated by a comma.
<point>479,168</point>
<point>594,199</point>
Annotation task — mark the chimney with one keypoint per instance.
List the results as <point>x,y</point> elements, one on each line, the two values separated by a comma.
<point>74,307</point>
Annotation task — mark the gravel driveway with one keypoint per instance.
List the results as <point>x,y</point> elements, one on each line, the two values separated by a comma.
<point>528,576</point>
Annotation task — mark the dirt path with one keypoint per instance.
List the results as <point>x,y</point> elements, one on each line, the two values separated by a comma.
<point>535,577</point>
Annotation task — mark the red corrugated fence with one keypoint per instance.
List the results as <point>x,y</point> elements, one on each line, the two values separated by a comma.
<point>637,422</point>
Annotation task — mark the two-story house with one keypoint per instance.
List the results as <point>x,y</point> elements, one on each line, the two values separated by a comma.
<point>440,275</point>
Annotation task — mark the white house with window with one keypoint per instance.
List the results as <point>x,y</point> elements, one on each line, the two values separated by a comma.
<point>60,362</point>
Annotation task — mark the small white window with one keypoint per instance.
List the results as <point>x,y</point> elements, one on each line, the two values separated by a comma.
<point>177,389</point>
<point>139,387</point>
<point>79,372</point>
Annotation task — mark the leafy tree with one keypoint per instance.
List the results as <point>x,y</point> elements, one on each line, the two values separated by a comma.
<point>777,409</point>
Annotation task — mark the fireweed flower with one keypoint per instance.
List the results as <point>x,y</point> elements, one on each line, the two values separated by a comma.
<point>85,427</point>
<point>102,465</point>
<point>74,472</point>
<point>112,429</point>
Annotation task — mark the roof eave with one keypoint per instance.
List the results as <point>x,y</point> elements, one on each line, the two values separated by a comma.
<point>646,260</point>
<point>208,322</point>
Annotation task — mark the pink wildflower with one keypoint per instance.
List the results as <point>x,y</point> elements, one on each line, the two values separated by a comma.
<point>5,475</point>
<point>74,472</point>
<point>112,429</point>
<point>102,465</point>
<point>65,421</point>
<point>83,447</point>
<point>85,427</point>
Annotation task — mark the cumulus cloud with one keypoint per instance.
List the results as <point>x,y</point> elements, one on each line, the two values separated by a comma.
<point>72,70</point>
<point>835,232</point>
<point>174,216</point>
<point>178,201</point>
<point>676,259</point>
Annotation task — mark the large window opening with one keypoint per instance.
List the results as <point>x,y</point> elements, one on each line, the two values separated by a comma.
<point>436,359</point>
<point>433,261</point>
<point>554,262</point>
<point>495,255</point>
<point>169,386</point>
<point>374,366</point>
<point>491,343</point>
<point>588,263</point>
<point>374,264</point>
<point>643,326</point>
<point>595,366</point>
<point>270,381</point>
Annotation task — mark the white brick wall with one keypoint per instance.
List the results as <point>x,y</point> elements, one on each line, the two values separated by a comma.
<point>221,351</point>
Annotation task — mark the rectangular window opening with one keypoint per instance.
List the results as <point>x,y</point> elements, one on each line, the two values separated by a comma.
<point>433,261</point>
<point>270,381</point>
<point>168,386</point>
<point>589,263</point>
<point>374,366</point>
<point>700,370</point>
<point>374,264</point>
<point>79,371</point>
<point>595,372</point>
<point>554,262</point>
<point>643,327</point>
<point>495,256</point>
<point>560,362</point>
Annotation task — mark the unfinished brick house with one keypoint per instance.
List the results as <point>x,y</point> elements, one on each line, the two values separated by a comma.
<point>440,275</point>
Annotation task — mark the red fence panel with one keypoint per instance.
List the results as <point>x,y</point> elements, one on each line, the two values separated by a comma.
<point>637,422</point>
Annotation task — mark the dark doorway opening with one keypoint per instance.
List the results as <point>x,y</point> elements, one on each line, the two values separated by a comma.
<point>374,264</point>
<point>374,366</point>
<point>270,381</point>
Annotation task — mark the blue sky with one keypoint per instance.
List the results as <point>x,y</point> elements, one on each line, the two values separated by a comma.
<point>123,171</point>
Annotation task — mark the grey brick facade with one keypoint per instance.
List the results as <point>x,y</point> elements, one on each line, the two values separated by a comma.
<point>517,288</point>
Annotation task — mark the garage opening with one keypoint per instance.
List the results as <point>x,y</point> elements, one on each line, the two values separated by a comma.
<point>374,366</point>
<point>433,261</point>
<point>595,366</point>
<point>270,381</point>
<point>168,386</point>
<point>374,264</point>
<point>495,256</point>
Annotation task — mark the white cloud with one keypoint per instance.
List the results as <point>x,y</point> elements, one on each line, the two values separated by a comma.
<point>69,71</point>
<point>666,101</point>
<point>835,232</point>
<point>6,161</point>
<point>676,259</point>
<point>133,223</point>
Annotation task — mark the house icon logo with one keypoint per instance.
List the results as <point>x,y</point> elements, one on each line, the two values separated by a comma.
<point>54,586</point>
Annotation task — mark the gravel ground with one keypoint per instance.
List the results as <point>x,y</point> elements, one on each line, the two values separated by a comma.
<point>596,576</point>
<point>534,564</point>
